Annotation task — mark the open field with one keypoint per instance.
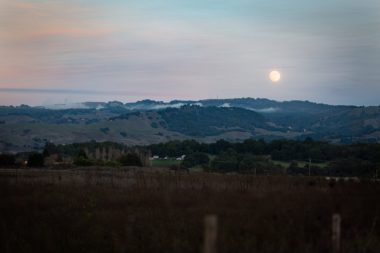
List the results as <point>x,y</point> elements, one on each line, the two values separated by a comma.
<point>165,163</point>
<point>300,163</point>
<point>171,161</point>
<point>154,210</point>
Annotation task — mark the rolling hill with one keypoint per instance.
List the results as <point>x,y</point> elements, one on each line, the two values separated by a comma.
<point>29,128</point>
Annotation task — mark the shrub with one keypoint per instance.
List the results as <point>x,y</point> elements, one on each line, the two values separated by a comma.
<point>82,161</point>
<point>112,164</point>
<point>130,159</point>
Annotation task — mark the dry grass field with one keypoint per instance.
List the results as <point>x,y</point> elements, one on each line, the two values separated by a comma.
<point>154,210</point>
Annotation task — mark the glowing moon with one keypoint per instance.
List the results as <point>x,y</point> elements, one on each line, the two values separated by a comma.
<point>275,76</point>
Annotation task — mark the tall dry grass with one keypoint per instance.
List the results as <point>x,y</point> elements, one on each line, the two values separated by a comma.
<point>129,210</point>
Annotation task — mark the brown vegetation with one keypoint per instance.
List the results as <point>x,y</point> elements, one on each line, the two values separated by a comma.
<point>135,210</point>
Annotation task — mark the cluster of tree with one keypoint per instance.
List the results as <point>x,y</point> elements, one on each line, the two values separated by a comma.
<point>282,150</point>
<point>129,159</point>
<point>196,159</point>
<point>263,165</point>
<point>244,163</point>
<point>207,121</point>
<point>232,161</point>
<point>249,156</point>
<point>33,160</point>
<point>36,160</point>
<point>75,151</point>
<point>256,156</point>
<point>7,160</point>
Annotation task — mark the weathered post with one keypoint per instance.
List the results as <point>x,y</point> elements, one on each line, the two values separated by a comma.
<point>336,232</point>
<point>210,234</point>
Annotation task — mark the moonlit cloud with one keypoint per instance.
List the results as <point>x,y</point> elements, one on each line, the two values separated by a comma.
<point>326,51</point>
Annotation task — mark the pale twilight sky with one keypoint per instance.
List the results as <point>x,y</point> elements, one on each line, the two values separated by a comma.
<point>55,51</point>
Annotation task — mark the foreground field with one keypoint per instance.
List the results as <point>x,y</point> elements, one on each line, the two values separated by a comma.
<point>133,210</point>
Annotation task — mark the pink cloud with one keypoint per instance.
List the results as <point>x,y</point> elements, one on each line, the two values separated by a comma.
<point>27,20</point>
<point>72,32</point>
<point>35,37</point>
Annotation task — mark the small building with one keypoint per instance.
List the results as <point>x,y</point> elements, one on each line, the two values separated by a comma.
<point>181,158</point>
<point>155,157</point>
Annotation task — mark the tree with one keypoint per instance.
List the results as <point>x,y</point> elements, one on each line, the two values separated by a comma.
<point>36,160</point>
<point>7,160</point>
<point>50,149</point>
<point>248,163</point>
<point>352,167</point>
<point>227,161</point>
<point>82,154</point>
<point>82,159</point>
<point>220,146</point>
<point>256,147</point>
<point>295,169</point>
<point>196,159</point>
<point>255,164</point>
<point>130,159</point>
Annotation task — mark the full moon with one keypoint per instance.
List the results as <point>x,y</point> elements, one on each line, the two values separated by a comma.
<point>275,76</point>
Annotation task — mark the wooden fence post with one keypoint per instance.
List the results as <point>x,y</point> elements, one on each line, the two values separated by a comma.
<point>210,234</point>
<point>336,232</point>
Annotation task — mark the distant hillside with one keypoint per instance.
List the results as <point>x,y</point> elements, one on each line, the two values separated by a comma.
<point>208,121</point>
<point>255,104</point>
<point>148,121</point>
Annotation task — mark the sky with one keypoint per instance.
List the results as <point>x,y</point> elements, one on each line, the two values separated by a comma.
<point>66,51</point>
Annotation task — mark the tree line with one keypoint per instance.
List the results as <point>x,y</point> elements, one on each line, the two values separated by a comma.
<point>281,150</point>
<point>258,156</point>
<point>250,156</point>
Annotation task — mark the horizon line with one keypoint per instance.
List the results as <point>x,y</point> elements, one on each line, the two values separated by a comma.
<point>102,92</point>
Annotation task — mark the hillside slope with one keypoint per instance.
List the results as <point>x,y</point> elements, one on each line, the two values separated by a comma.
<point>29,128</point>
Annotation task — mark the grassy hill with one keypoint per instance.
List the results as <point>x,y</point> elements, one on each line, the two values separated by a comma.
<point>208,121</point>
<point>29,128</point>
